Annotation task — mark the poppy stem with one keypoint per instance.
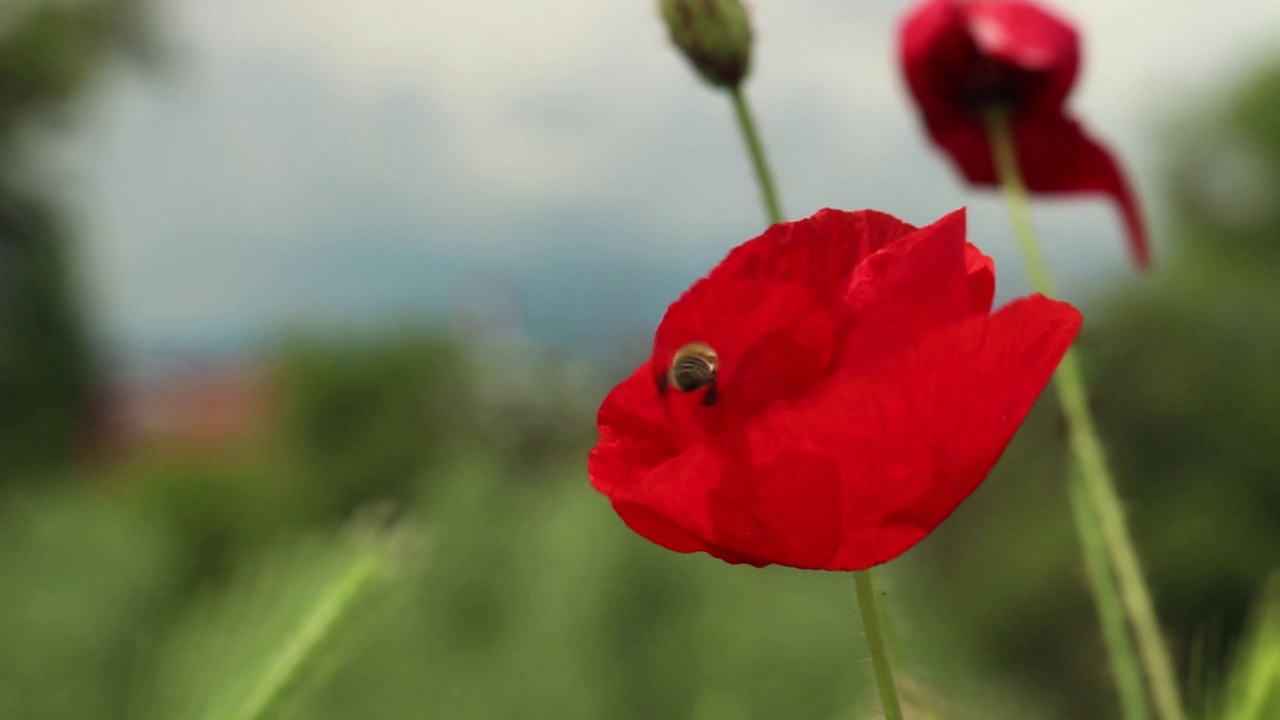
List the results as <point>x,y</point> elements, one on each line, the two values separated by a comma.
<point>1115,632</point>
<point>875,643</point>
<point>755,148</point>
<point>1096,483</point>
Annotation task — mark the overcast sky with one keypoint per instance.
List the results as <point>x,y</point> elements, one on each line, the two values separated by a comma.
<point>362,158</point>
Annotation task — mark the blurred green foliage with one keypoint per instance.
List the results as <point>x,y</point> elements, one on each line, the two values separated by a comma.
<point>537,603</point>
<point>366,418</point>
<point>44,357</point>
<point>83,582</point>
<point>50,54</point>
<point>1251,688</point>
<point>214,513</point>
<point>160,587</point>
<point>1186,371</point>
<point>252,650</point>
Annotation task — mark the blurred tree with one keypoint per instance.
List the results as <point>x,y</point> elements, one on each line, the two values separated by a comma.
<point>50,54</point>
<point>1183,375</point>
<point>1186,371</point>
<point>44,360</point>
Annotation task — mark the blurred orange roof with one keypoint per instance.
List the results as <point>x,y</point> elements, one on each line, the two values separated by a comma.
<point>201,411</point>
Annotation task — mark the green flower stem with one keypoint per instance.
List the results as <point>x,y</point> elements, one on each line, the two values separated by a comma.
<point>292,659</point>
<point>1115,631</point>
<point>768,191</point>
<point>1095,477</point>
<point>875,643</point>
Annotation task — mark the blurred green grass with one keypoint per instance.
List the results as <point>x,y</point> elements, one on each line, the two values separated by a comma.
<point>535,602</point>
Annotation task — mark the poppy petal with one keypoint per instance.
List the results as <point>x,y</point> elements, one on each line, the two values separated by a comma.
<point>910,437</point>
<point>1029,38</point>
<point>658,529</point>
<point>956,53</point>
<point>937,54</point>
<point>634,436</point>
<point>662,531</point>
<point>964,58</point>
<point>978,379</point>
<point>817,252</point>
<point>1055,155</point>
<point>765,511</point>
<point>981,270</point>
<point>904,290</point>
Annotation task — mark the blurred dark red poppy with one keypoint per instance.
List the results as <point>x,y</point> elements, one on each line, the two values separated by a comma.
<point>964,58</point>
<point>826,396</point>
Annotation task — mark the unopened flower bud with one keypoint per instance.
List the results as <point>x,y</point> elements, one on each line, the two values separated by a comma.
<point>715,35</point>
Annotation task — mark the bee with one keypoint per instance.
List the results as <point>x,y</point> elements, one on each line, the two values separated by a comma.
<point>693,367</point>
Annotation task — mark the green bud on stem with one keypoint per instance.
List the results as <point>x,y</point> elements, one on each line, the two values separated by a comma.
<point>715,35</point>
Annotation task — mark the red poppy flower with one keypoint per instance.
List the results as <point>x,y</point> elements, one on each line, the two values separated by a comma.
<point>965,57</point>
<point>826,396</point>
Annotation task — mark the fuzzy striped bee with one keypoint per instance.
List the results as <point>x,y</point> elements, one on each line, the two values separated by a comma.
<point>693,367</point>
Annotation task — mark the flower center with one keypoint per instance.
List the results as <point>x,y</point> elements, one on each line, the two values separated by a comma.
<point>693,367</point>
<point>992,84</point>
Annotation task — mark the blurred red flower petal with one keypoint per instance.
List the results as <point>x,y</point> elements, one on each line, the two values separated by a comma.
<point>962,58</point>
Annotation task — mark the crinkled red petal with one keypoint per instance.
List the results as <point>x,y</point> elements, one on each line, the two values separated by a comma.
<point>856,472</point>
<point>817,252</point>
<point>904,290</point>
<point>634,434</point>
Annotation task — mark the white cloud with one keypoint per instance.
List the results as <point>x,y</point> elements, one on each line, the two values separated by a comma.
<point>436,130</point>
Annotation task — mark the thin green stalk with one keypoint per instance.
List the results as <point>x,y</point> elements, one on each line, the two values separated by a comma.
<point>292,658</point>
<point>1095,475</point>
<point>768,191</point>
<point>1115,631</point>
<point>876,644</point>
